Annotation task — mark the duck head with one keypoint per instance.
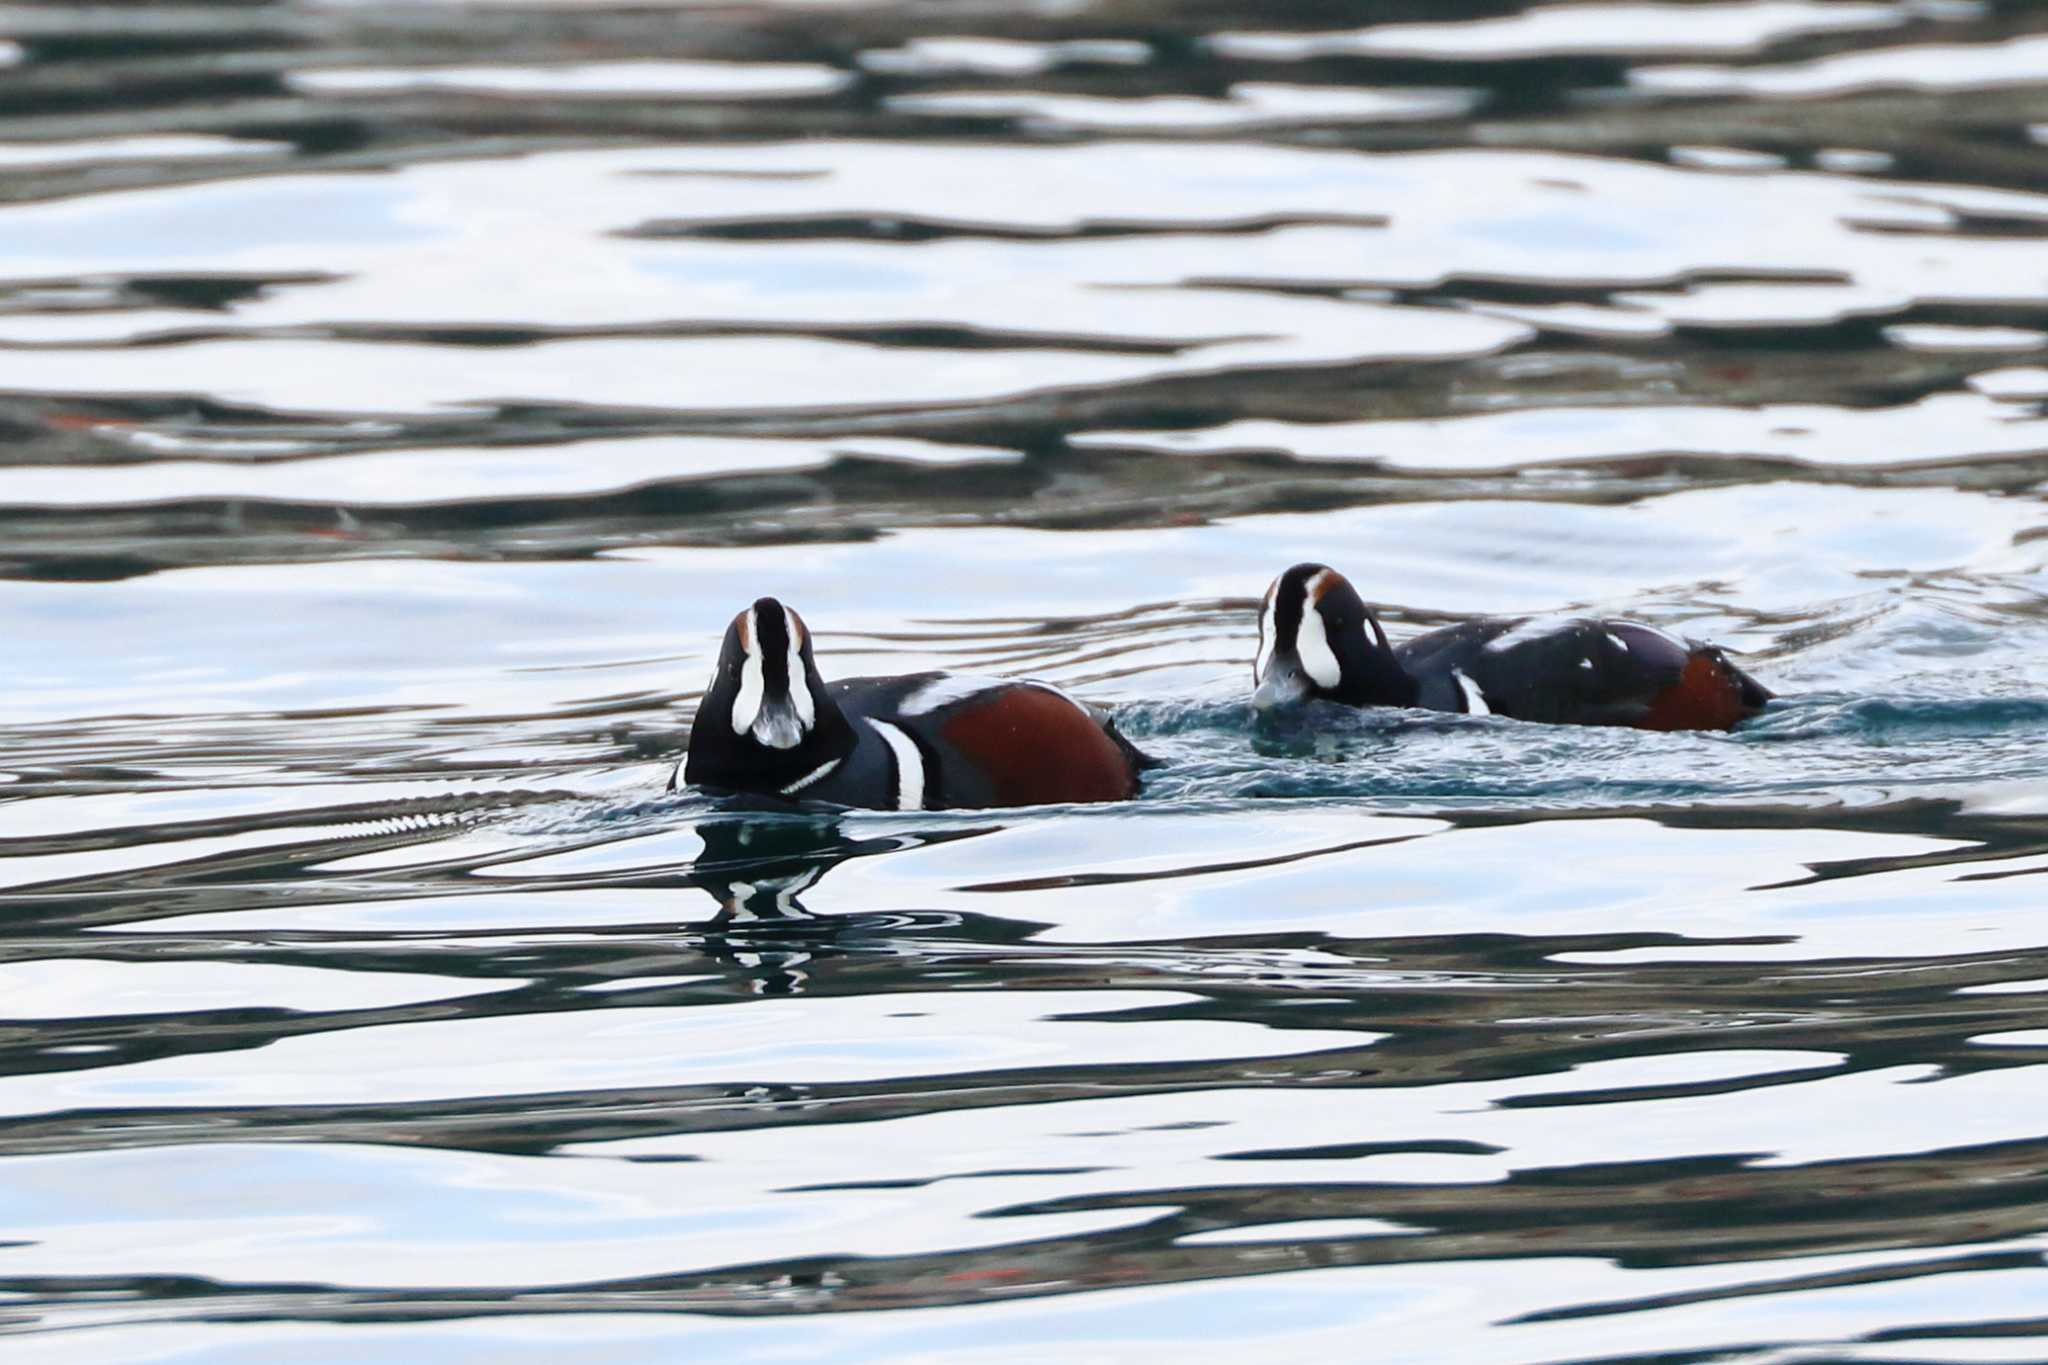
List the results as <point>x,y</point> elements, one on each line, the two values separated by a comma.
<point>1317,640</point>
<point>767,721</point>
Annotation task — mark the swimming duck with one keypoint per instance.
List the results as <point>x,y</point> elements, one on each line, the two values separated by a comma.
<point>771,726</point>
<point>1317,639</point>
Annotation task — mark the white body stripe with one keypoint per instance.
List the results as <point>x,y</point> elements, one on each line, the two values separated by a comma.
<point>944,690</point>
<point>746,703</point>
<point>951,688</point>
<point>909,765</point>
<point>1666,636</point>
<point>1475,700</point>
<point>1535,628</point>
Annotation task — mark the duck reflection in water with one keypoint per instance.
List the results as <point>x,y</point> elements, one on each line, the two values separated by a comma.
<point>758,864</point>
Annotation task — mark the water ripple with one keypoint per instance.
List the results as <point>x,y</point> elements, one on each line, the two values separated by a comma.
<point>398,400</point>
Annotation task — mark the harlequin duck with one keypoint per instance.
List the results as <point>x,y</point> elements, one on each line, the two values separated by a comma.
<point>770,726</point>
<point>1318,640</point>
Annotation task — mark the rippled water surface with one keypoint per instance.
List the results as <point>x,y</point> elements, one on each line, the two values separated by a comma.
<point>397,400</point>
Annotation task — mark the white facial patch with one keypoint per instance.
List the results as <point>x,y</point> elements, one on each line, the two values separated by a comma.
<point>1312,645</point>
<point>746,703</point>
<point>909,765</point>
<point>1269,633</point>
<point>782,725</point>
<point>1475,700</point>
<point>778,728</point>
<point>799,681</point>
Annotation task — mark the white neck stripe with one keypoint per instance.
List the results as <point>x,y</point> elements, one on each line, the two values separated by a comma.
<point>815,775</point>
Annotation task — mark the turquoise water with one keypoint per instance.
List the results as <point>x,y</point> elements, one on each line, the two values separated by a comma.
<point>396,403</point>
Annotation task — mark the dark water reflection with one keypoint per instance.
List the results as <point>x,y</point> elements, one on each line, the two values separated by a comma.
<point>395,401</point>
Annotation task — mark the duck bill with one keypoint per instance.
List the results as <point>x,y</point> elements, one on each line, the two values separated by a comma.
<point>1280,687</point>
<point>778,725</point>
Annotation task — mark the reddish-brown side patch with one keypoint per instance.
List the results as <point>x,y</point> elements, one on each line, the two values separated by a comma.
<point>1705,697</point>
<point>1036,747</point>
